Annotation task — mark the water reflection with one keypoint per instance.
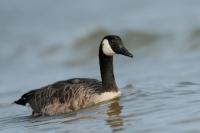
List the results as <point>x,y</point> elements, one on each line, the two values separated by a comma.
<point>114,120</point>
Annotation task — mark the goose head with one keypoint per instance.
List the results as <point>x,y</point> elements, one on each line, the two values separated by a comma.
<point>112,45</point>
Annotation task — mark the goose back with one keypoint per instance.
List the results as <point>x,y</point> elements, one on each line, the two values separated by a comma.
<point>63,96</point>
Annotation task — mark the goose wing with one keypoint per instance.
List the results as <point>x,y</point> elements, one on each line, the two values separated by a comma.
<point>65,91</point>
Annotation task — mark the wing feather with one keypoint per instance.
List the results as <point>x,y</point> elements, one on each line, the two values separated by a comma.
<point>73,93</point>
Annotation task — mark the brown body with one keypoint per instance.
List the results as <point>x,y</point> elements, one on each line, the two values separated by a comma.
<point>63,96</point>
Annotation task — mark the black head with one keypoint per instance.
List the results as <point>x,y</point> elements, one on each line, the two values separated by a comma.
<point>112,44</point>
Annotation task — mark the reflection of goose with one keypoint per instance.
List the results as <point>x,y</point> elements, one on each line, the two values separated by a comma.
<point>114,120</point>
<point>73,94</point>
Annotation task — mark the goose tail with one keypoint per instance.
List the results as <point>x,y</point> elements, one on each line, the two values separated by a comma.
<point>20,102</point>
<point>25,98</point>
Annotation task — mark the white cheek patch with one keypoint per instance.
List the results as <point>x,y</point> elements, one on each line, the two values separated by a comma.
<point>107,50</point>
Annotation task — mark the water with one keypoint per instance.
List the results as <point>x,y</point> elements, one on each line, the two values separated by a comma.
<point>43,41</point>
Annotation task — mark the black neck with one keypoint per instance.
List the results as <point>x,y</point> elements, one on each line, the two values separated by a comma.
<point>106,68</point>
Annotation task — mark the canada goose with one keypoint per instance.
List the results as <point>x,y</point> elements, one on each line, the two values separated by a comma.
<point>73,94</point>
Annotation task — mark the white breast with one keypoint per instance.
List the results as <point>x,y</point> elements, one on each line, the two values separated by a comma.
<point>106,96</point>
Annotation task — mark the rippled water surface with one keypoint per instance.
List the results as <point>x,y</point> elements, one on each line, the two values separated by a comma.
<point>42,42</point>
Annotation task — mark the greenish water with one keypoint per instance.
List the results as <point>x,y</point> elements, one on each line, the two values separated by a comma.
<point>42,42</point>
